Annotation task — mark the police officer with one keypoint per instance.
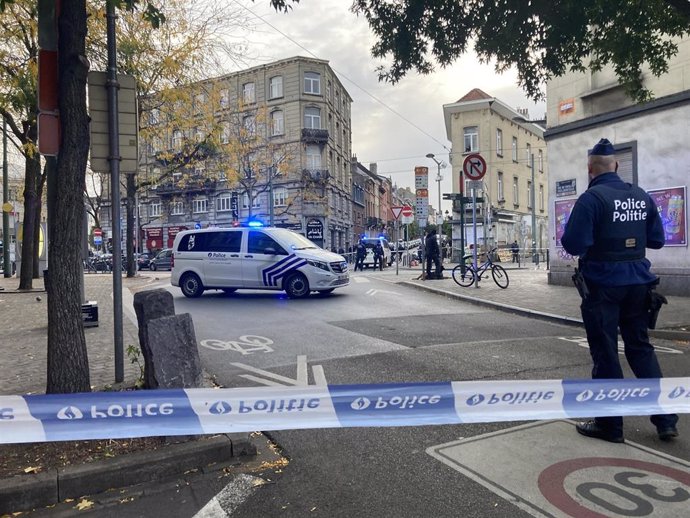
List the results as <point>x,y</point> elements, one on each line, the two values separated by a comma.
<point>361,253</point>
<point>433,254</point>
<point>610,226</point>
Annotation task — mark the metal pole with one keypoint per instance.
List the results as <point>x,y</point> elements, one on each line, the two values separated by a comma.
<point>439,218</point>
<point>114,145</point>
<point>534,213</point>
<point>6,240</point>
<point>462,221</point>
<point>474,228</point>
<point>271,221</point>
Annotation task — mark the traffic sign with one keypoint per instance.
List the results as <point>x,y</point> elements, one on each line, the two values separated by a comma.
<point>97,232</point>
<point>407,211</point>
<point>474,166</point>
<point>396,211</point>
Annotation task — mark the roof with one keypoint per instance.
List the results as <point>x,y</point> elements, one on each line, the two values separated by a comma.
<point>474,95</point>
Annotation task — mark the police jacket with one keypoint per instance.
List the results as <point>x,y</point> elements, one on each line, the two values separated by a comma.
<point>610,226</point>
<point>432,249</point>
<point>361,250</point>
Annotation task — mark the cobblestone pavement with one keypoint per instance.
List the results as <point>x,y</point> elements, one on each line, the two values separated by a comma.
<point>24,326</point>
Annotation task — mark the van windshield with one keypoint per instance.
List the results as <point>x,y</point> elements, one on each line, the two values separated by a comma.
<point>293,240</point>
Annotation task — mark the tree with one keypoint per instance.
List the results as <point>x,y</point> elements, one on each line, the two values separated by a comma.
<point>542,39</point>
<point>19,106</point>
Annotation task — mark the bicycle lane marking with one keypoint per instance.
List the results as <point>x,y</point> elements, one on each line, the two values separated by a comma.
<point>539,467</point>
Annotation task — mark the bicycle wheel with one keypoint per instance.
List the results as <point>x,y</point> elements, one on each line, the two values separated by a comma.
<point>465,279</point>
<point>500,276</point>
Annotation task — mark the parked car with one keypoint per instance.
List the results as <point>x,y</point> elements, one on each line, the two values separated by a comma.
<point>162,261</point>
<point>143,260</point>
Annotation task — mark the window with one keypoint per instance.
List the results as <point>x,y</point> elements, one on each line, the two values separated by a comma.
<point>312,83</point>
<point>313,157</point>
<point>155,210</point>
<point>515,156</point>
<point>516,193</point>
<point>256,203</point>
<point>258,242</point>
<point>312,118</point>
<point>501,194</point>
<point>249,124</point>
<point>541,197</point>
<point>471,139</point>
<point>248,93</point>
<point>198,134</point>
<point>199,101</point>
<point>200,206</point>
<point>225,133</point>
<point>177,139</point>
<point>199,169</point>
<point>224,98</point>
<point>277,123</point>
<point>223,203</point>
<point>528,154</point>
<point>154,116</point>
<point>157,145</point>
<point>176,208</point>
<point>499,142</point>
<point>227,241</point>
<point>529,195</point>
<point>275,87</point>
<point>541,161</point>
<point>280,197</point>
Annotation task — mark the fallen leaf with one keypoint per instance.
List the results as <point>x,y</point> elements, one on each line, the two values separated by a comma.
<point>312,509</point>
<point>32,469</point>
<point>84,504</point>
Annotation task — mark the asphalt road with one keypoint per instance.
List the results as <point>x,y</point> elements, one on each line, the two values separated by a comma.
<point>375,331</point>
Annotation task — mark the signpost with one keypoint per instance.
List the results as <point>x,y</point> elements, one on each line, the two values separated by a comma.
<point>97,236</point>
<point>474,167</point>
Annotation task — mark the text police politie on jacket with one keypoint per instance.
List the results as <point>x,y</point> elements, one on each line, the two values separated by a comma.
<point>629,210</point>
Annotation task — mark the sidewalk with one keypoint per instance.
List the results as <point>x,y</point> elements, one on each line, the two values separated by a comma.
<point>529,293</point>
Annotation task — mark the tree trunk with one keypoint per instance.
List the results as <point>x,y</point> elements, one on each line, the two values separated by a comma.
<point>68,366</point>
<point>32,173</point>
<point>130,238</point>
<point>40,185</point>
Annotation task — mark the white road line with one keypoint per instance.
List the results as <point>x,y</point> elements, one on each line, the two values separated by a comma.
<point>357,278</point>
<point>302,373</point>
<point>268,374</point>
<point>319,375</point>
<point>230,497</point>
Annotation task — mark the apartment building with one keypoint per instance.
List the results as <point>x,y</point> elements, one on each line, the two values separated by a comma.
<point>271,143</point>
<point>514,188</point>
<point>651,142</point>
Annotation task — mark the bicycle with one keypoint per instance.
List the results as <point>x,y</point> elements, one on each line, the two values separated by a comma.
<point>471,275</point>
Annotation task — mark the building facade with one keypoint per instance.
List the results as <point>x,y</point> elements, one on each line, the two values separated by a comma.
<point>271,143</point>
<point>651,142</point>
<point>514,187</point>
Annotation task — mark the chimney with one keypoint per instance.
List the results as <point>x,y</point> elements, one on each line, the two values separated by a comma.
<point>524,112</point>
<point>372,168</point>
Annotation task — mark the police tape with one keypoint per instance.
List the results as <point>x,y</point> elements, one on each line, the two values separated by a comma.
<point>144,413</point>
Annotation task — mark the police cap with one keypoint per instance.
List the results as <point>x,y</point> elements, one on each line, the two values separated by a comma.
<point>602,148</point>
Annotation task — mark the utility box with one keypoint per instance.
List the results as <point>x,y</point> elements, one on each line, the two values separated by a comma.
<point>89,313</point>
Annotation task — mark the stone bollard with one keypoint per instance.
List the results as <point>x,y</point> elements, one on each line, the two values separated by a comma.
<point>174,353</point>
<point>150,305</point>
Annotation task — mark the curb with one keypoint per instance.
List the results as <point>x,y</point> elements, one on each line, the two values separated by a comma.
<point>665,334</point>
<point>27,492</point>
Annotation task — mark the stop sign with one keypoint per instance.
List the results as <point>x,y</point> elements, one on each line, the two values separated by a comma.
<point>407,211</point>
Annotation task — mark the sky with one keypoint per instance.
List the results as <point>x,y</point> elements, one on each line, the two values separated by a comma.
<point>395,126</point>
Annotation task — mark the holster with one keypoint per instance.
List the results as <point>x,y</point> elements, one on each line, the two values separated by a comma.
<point>580,284</point>
<point>654,302</point>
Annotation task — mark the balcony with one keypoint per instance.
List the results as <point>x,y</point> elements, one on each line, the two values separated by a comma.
<point>191,185</point>
<point>314,136</point>
<point>316,175</point>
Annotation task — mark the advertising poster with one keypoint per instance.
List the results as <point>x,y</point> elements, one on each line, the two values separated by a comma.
<point>562,213</point>
<point>672,205</point>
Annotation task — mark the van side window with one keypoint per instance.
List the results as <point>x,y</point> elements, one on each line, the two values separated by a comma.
<point>228,241</point>
<point>192,243</point>
<point>258,242</point>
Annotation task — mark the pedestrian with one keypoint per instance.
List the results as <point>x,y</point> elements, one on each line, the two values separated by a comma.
<point>361,253</point>
<point>341,251</point>
<point>515,249</point>
<point>378,255</point>
<point>433,255</point>
<point>615,281</point>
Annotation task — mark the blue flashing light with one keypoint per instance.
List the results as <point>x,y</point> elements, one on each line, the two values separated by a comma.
<point>254,224</point>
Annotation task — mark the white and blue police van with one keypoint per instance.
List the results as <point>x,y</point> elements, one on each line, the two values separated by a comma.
<point>264,258</point>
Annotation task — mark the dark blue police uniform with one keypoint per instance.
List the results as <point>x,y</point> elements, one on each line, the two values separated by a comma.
<point>610,226</point>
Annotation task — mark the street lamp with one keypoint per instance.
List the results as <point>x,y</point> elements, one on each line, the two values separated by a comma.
<point>439,218</point>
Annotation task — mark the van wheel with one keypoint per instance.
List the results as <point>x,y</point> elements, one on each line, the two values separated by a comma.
<point>296,286</point>
<point>152,267</point>
<point>229,291</point>
<point>191,286</point>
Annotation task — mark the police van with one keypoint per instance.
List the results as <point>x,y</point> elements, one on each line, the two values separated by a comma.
<point>265,258</point>
<point>370,243</point>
